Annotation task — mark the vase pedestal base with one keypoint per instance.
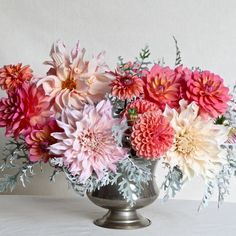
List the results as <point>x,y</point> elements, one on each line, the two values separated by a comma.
<point>122,219</point>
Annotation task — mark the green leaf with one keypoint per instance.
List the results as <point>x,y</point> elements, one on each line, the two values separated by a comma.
<point>178,58</point>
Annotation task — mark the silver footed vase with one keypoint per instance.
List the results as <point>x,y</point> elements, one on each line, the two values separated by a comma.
<point>120,214</point>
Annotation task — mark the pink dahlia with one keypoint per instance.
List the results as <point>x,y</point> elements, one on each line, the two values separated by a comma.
<point>208,92</point>
<point>39,140</point>
<point>126,86</point>
<point>162,86</point>
<point>86,143</point>
<point>183,74</point>
<point>139,107</point>
<point>13,76</point>
<point>152,135</point>
<point>23,109</point>
<point>73,81</point>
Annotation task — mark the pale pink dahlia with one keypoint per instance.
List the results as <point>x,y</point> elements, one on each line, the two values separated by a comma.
<point>73,81</point>
<point>39,140</point>
<point>162,86</point>
<point>208,92</point>
<point>126,86</point>
<point>86,143</point>
<point>151,135</point>
<point>23,109</point>
<point>13,76</point>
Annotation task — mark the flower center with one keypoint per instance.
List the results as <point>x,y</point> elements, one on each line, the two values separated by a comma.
<point>89,140</point>
<point>44,146</point>
<point>126,81</point>
<point>69,83</point>
<point>185,143</point>
<point>158,87</point>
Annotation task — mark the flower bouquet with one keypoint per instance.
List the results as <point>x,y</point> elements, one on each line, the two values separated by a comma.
<point>106,130</point>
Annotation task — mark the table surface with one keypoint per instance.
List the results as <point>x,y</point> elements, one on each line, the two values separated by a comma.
<point>49,216</point>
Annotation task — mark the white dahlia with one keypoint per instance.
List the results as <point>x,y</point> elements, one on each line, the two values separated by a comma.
<point>196,148</point>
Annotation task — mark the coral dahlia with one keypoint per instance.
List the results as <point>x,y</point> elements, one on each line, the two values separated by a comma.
<point>196,149</point>
<point>138,107</point>
<point>151,135</point>
<point>86,143</point>
<point>162,86</point>
<point>13,76</point>
<point>23,109</point>
<point>127,86</point>
<point>39,140</point>
<point>208,92</point>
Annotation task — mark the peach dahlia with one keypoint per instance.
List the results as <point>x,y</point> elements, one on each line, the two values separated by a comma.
<point>13,76</point>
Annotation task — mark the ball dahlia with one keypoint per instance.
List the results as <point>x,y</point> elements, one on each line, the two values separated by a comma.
<point>196,148</point>
<point>162,86</point>
<point>13,76</point>
<point>138,107</point>
<point>151,135</point>
<point>208,92</point>
<point>86,143</point>
<point>23,109</point>
<point>72,81</point>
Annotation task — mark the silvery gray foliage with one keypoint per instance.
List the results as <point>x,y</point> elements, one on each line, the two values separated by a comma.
<point>207,195</point>
<point>228,170</point>
<point>231,148</point>
<point>118,105</point>
<point>57,164</point>
<point>92,183</point>
<point>222,180</point>
<point>231,113</point>
<point>8,182</point>
<point>178,58</point>
<point>119,132</point>
<point>173,182</point>
<point>16,157</point>
<point>134,173</point>
<point>160,61</point>
<point>13,151</point>
<point>130,177</point>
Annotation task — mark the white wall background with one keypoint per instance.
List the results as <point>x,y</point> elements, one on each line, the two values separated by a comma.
<point>205,30</point>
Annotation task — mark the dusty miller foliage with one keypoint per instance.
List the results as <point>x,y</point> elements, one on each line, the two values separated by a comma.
<point>134,174</point>
<point>173,182</point>
<point>222,181</point>
<point>231,113</point>
<point>130,177</point>
<point>15,157</point>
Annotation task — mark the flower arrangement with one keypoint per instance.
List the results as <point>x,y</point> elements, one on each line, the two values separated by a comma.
<point>102,127</point>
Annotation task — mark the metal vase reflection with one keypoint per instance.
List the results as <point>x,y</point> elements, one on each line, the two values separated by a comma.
<point>120,214</point>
